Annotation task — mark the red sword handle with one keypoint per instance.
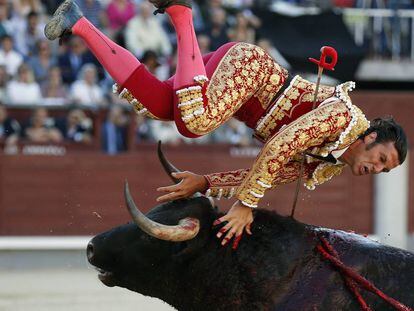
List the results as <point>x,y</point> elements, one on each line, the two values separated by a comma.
<point>326,52</point>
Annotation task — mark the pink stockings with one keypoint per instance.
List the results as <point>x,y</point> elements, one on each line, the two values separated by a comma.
<point>157,96</point>
<point>119,62</point>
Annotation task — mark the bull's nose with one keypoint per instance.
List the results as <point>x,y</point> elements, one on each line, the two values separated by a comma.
<point>90,251</point>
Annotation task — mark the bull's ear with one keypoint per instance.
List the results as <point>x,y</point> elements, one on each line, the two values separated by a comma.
<point>206,212</point>
<point>186,250</point>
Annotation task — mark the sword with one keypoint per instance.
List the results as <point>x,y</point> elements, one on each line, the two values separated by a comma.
<point>326,52</point>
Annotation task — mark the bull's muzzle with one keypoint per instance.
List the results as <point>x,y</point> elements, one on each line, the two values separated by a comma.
<point>186,229</point>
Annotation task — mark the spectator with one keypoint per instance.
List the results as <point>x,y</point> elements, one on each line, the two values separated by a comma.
<point>77,127</point>
<point>204,43</point>
<point>92,10</point>
<point>9,129</point>
<point>217,31</point>
<point>245,28</point>
<point>51,5</point>
<point>72,60</point>
<point>24,90</point>
<point>165,131</point>
<point>151,60</point>
<point>144,32</point>
<point>42,61</point>
<point>8,57</point>
<point>114,131</point>
<point>266,45</point>
<point>119,12</point>
<point>238,4</point>
<point>52,89</point>
<point>29,32</point>
<point>235,133</point>
<point>208,8</point>
<point>85,90</point>
<point>42,128</point>
<point>6,26</point>
<point>4,80</point>
<point>143,131</point>
<point>22,8</point>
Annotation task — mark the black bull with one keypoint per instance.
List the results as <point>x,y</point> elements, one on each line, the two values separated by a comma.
<point>277,268</point>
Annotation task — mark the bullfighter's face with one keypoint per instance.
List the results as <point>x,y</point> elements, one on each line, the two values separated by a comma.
<point>367,157</point>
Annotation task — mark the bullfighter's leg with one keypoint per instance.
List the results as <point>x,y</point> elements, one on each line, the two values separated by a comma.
<point>208,96</point>
<point>134,81</point>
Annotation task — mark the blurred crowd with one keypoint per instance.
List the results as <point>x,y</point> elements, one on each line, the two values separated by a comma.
<point>37,74</point>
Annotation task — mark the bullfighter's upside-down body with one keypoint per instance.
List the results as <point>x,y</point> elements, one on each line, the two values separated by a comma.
<point>241,80</point>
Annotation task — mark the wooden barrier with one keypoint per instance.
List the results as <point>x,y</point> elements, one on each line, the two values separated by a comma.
<point>81,193</point>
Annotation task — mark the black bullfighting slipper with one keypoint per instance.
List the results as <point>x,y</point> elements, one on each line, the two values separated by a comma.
<point>161,5</point>
<point>61,23</point>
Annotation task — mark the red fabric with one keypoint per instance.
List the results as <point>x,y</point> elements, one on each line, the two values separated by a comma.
<point>250,113</point>
<point>119,62</point>
<point>155,95</point>
<point>299,108</point>
<point>158,96</point>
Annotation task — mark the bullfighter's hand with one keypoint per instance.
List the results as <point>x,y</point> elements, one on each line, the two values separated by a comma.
<point>239,218</point>
<point>190,183</point>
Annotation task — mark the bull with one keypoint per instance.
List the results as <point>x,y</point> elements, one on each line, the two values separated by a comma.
<point>276,268</point>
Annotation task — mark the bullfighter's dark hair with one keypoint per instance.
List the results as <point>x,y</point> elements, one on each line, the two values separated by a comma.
<point>388,130</point>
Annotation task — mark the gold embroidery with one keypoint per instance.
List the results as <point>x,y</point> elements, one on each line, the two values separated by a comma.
<point>358,125</point>
<point>298,92</point>
<point>245,70</point>
<point>138,107</point>
<point>231,178</point>
<point>290,172</point>
<point>323,173</point>
<point>190,104</point>
<point>298,136</point>
<point>225,184</point>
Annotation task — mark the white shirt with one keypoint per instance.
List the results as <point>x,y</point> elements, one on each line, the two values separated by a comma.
<point>20,93</point>
<point>86,94</point>
<point>12,60</point>
<point>337,154</point>
<point>142,35</point>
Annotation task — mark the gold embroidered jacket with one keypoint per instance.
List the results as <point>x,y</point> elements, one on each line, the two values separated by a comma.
<point>329,127</point>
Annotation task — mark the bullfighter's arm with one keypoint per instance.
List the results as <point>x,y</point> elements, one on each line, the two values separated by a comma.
<point>312,129</point>
<point>224,184</point>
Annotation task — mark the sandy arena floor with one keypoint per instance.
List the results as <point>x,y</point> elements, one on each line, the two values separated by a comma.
<point>70,290</point>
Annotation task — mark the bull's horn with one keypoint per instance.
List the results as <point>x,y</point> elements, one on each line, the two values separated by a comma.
<point>170,168</point>
<point>186,229</point>
<point>167,165</point>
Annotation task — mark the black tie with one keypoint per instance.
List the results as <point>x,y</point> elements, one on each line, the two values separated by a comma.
<point>329,158</point>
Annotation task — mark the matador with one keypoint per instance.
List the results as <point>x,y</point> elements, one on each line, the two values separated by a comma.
<point>241,80</point>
